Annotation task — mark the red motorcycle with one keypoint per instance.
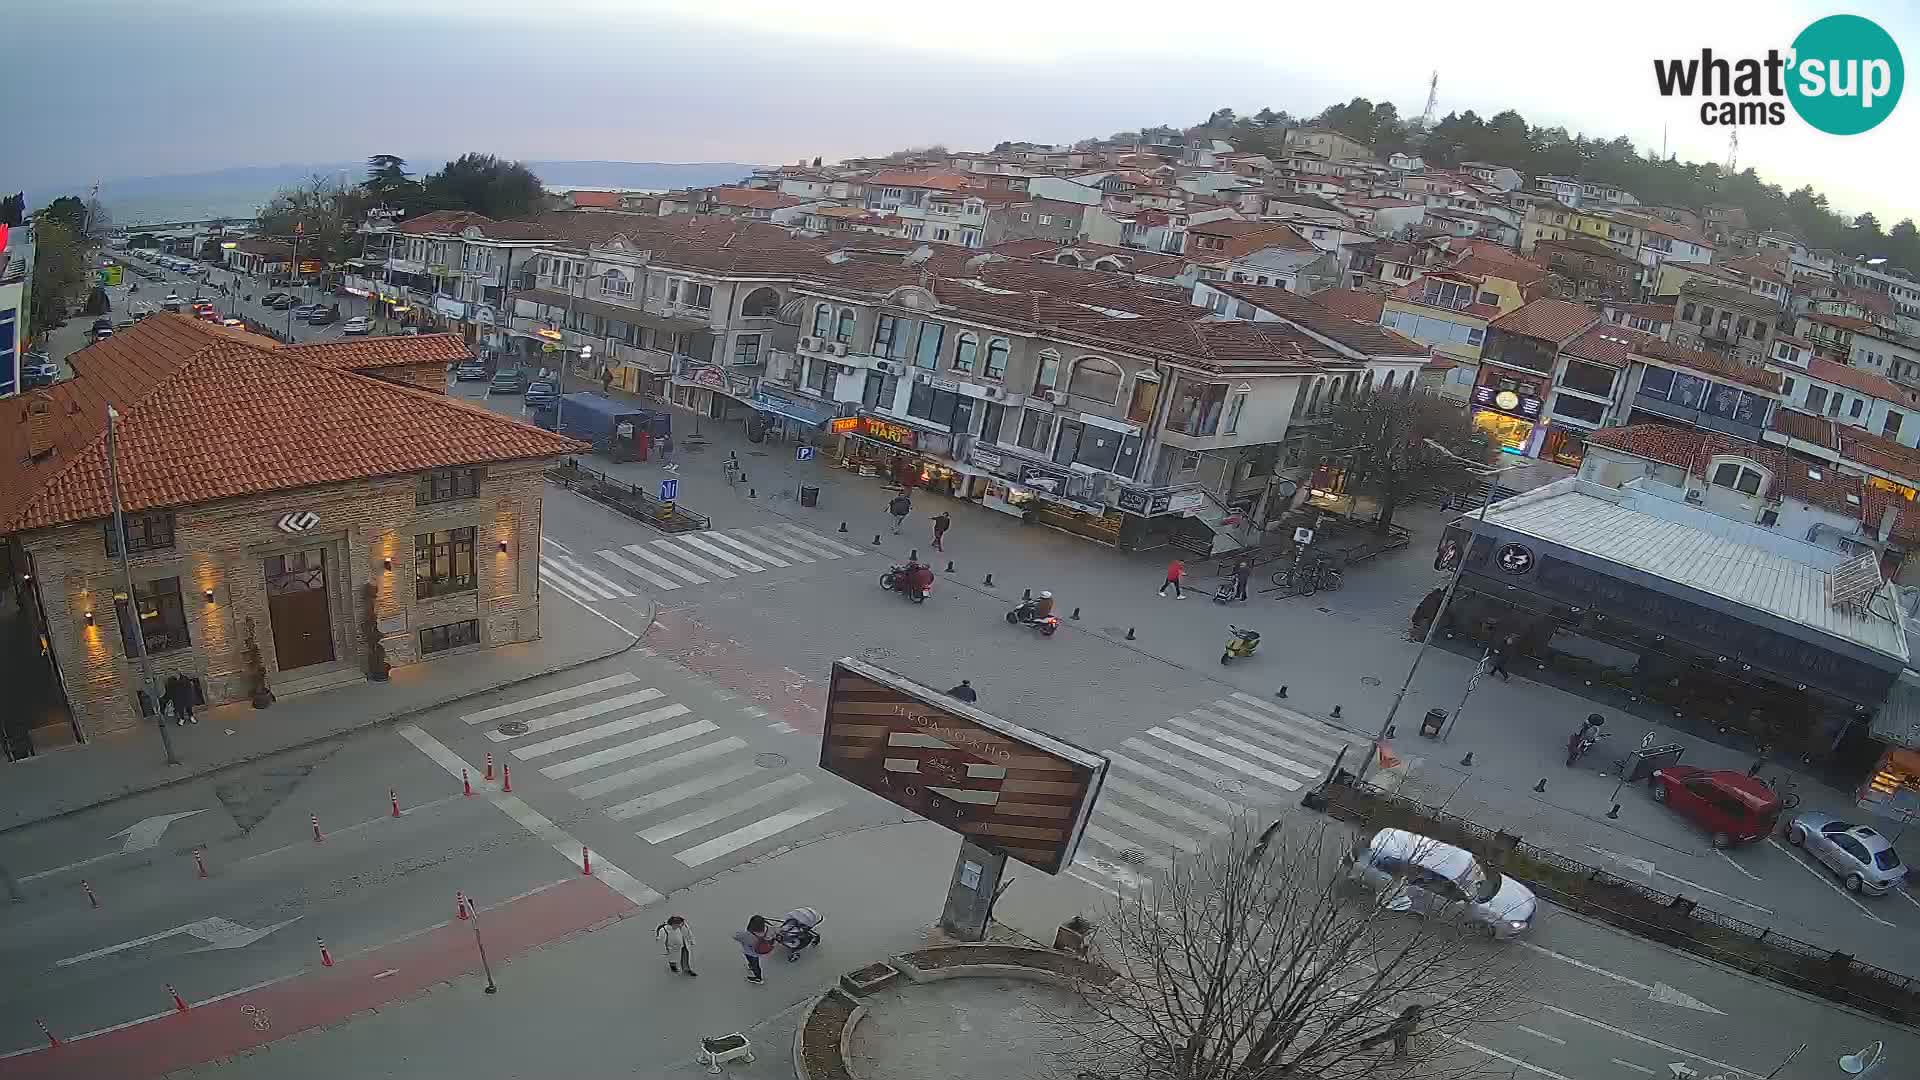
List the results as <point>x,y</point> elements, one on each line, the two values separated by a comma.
<point>913,581</point>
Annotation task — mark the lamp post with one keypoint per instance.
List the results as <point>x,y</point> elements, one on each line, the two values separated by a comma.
<point>136,640</point>
<point>1493,477</point>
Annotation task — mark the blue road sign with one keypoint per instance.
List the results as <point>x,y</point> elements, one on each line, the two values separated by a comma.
<point>803,453</point>
<point>669,488</point>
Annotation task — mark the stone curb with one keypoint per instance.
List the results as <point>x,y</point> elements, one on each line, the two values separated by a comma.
<point>653,611</point>
<point>800,1069</point>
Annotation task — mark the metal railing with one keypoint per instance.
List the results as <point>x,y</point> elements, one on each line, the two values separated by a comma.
<point>1673,920</point>
<point>626,498</point>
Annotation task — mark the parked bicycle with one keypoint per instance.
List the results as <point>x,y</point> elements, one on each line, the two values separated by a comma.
<point>1305,579</point>
<point>1787,788</point>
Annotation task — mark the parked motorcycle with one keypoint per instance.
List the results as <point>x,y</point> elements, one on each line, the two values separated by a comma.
<point>1028,614</point>
<point>1585,739</point>
<point>900,579</point>
<point>1240,644</point>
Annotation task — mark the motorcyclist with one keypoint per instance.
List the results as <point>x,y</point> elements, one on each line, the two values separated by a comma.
<point>919,576</point>
<point>1588,729</point>
<point>1043,605</point>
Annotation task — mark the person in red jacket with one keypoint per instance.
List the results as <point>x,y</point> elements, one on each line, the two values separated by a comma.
<point>1176,570</point>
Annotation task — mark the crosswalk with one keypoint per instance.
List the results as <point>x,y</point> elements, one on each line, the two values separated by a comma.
<point>653,765</point>
<point>688,559</point>
<point>1181,784</point>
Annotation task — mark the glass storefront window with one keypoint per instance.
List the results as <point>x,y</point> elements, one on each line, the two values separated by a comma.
<point>1508,434</point>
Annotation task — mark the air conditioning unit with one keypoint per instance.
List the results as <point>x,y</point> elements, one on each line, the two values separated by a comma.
<point>837,348</point>
<point>1693,495</point>
<point>887,367</point>
<point>1056,397</point>
<point>809,344</point>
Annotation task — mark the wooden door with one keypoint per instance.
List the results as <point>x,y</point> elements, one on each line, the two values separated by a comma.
<point>297,608</point>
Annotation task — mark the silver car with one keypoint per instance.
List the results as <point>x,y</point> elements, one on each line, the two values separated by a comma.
<point>1862,858</point>
<point>1422,875</point>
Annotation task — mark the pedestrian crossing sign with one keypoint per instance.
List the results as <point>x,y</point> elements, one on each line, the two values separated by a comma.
<point>669,488</point>
<point>803,453</point>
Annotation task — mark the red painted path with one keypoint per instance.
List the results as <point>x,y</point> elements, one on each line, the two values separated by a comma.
<point>323,996</point>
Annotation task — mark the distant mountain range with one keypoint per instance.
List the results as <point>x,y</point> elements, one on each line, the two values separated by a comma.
<point>241,191</point>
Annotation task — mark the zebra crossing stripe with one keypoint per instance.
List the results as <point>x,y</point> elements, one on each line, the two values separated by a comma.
<point>723,538</point>
<point>723,809</point>
<point>637,570</point>
<point>689,557</point>
<point>563,576</point>
<point>1276,760</point>
<point>1300,726</point>
<point>599,731</point>
<point>1168,807</point>
<point>756,832</point>
<point>769,540</point>
<point>1148,750</point>
<point>580,712</point>
<point>1199,795</point>
<point>554,697</point>
<point>553,576</point>
<point>1224,758</point>
<point>601,580</point>
<point>626,750</point>
<point>1311,753</point>
<point>596,788</point>
<point>686,789</point>
<point>668,565</point>
<point>720,553</point>
<point>1120,845</point>
<point>814,540</point>
<point>1145,827</point>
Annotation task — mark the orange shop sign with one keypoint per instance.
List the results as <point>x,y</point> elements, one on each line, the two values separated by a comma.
<point>842,425</point>
<point>898,434</point>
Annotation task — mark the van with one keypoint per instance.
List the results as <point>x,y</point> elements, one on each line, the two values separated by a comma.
<point>1731,806</point>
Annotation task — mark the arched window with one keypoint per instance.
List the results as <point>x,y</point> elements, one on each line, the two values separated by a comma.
<point>1388,385</point>
<point>760,304</point>
<point>822,320</point>
<point>1313,397</point>
<point>1108,263</point>
<point>1367,387</point>
<point>965,351</point>
<point>1095,378</point>
<point>615,283</point>
<point>997,358</point>
<point>843,333</point>
<point>1067,258</point>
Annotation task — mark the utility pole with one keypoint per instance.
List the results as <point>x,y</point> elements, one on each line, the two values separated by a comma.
<point>134,636</point>
<point>298,228</point>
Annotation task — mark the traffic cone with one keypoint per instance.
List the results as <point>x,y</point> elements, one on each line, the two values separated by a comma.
<point>460,905</point>
<point>179,1003</point>
<point>393,799</point>
<point>326,958</point>
<point>199,862</point>
<point>466,785</point>
<point>92,900</point>
<point>317,838</point>
<point>489,764</point>
<point>586,861</point>
<point>52,1040</point>
<point>506,778</point>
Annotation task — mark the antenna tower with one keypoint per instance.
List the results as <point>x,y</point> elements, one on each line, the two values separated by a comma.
<point>1433,98</point>
<point>1733,151</point>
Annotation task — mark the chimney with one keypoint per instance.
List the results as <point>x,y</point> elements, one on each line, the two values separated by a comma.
<point>1887,517</point>
<point>39,421</point>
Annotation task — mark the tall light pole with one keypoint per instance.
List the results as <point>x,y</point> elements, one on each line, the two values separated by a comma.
<point>137,638</point>
<point>298,228</point>
<point>1460,563</point>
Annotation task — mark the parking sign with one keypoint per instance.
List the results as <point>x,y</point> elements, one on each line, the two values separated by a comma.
<point>803,453</point>
<point>669,488</point>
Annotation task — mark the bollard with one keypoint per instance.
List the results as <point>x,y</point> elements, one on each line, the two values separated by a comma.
<point>949,566</point>
<point>752,493</point>
<point>1467,762</point>
<point>466,785</point>
<point>317,838</point>
<point>987,584</point>
<point>489,765</point>
<point>843,526</point>
<point>586,861</point>
<point>393,800</point>
<point>743,476</point>
<point>1129,633</point>
<point>1282,692</point>
<point>1076,614</point>
<point>199,862</point>
<point>876,539</point>
<point>1336,716</point>
<point>179,1003</point>
<point>460,904</point>
<point>1391,728</point>
<point>1541,787</point>
<point>1614,814</point>
<point>92,900</point>
<point>326,958</point>
<point>506,778</point>
<point>1026,594</point>
<point>44,1030</point>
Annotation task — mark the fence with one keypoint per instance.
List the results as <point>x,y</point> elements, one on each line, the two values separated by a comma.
<point>624,497</point>
<point>1674,921</point>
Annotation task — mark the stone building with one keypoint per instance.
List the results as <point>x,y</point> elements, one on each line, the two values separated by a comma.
<point>276,502</point>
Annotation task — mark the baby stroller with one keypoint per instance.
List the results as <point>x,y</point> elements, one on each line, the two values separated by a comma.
<point>797,931</point>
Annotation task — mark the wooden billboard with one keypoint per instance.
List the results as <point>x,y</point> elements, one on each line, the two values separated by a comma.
<point>1007,788</point>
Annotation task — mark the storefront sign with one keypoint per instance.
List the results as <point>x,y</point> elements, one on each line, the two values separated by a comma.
<point>449,307</point>
<point>1510,402</point>
<point>843,425</point>
<point>701,375</point>
<point>944,384</point>
<point>1044,480</point>
<point>548,332</point>
<point>898,434</point>
<point>1508,434</point>
<point>1185,502</point>
<point>1148,502</point>
<point>987,459</point>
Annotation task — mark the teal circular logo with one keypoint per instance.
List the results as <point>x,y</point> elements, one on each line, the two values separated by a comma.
<point>1847,75</point>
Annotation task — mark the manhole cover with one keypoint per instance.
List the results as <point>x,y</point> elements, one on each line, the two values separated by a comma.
<point>874,656</point>
<point>1135,856</point>
<point>1232,787</point>
<point>770,761</point>
<point>1369,680</point>
<point>512,727</point>
<point>756,453</point>
<point>1324,610</point>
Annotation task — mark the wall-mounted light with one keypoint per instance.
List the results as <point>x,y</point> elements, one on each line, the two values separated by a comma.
<point>503,547</point>
<point>386,564</point>
<point>209,595</point>
<point>89,618</point>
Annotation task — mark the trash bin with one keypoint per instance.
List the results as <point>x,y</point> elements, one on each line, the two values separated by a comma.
<point>809,496</point>
<point>1431,723</point>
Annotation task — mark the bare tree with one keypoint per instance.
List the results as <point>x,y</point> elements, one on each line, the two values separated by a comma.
<point>1254,960</point>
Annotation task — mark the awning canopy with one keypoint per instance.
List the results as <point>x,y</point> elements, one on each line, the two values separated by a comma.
<point>788,411</point>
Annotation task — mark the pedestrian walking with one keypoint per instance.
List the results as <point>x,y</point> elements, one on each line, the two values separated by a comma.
<point>899,506</point>
<point>941,522</point>
<point>606,380</point>
<point>1176,570</point>
<point>754,944</point>
<point>964,692</point>
<point>676,941</point>
<point>1241,572</point>
<point>1398,1031</point>
<point>1498,657</point>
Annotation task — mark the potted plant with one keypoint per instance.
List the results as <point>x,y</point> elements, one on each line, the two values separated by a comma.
<point>256,669</point>
<point>1073,936</point>
<point>377,666</point>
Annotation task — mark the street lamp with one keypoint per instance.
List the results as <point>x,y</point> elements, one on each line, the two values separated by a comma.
<point>136,639</point>
<point>1493,478</point>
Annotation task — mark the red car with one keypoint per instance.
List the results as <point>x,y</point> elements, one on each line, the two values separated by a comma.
<point>1733,807</point>
<point>204,310</point>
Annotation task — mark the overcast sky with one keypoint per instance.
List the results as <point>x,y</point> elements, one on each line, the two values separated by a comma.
<point>116,88</point>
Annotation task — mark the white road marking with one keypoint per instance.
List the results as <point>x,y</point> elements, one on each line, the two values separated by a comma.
<point>756,832</point>
<point>533,821</point>
<point>1655,1043</point>
<point>386,973</point>
<point>666,564</point>
<point>139,836</point>
<point>1827,879</point>
<point>1537,1033</point>
<point>1907,896</point>
<point>558,575</point>
<point>686,789</point>
<point>689,557</point>
<point>1179,787</point>
<point>1224,758</point>
<point>1509,1059</point>
<point>724,809</point>
<point>599,731</point>
<point>626,750</point>
<point>618,780</point>
<point>815,541</point>
<point>1168,807</point>
<point>581,712</point>
<point>581,690</point>
<point>720,553</point>
<point>772,542</point>
<point>597,578</point>
<point>1631,1065</point>
<point>219,933</point>
<point>1109,809</point>
<point>1658,991</point>
<point>1750,874</point>
<point>637,570</point>
<point>550,578</point>
<point>598,614</point>
<point>1148,750</point>
<point>1716,892</point>
<point>1268,756</point>
<point>1270,733</point>
<point>1310,729</point>
<point>334,833</point>
<point>731,542</point>
<point>1119,845</point>
<point>1643,867</point>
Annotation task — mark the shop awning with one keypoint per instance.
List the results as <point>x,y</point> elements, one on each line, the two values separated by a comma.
<point>790,411</point>
<point>1897,722</point>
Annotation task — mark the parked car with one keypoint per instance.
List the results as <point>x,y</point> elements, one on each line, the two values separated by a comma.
<point>1418,874</point>
<point>286,301</point>
<point>472,371</point>
<point>172,302</point>
<point>304,311</point>
<point>511,380</point>
<point>1733,807</point>
<point>542,393</point>
<point>359,324</point>
<point>321,315</point>
<point>102,325</point>
<point>1863,859</point>
<point>38,372</point>
<point>272,298</point>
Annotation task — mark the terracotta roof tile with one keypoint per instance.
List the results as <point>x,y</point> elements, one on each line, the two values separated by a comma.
<point>1879,452</point>
<point>1607,344</point>
<point>607,200</point>
<point>1713,364</point>
<point>1353,303</point>
<point>369,353</point>
<point>206,415</point>
<point>1549,320</point>
<point>1815,483</point>
<point>1303,311</point>
<point>1805,427</point>
<point>1862,381</point>
<point>753,198</point>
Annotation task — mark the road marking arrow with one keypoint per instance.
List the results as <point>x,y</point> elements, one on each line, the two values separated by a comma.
<point>1681,1070</point>
<point>217,932</point>
<point>139,836</point>
<point>1659,991</point>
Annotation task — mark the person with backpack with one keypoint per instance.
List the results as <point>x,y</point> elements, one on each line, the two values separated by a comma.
<point>900,506</point>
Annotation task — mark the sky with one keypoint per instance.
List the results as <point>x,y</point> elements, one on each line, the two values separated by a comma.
<point>105,89</point>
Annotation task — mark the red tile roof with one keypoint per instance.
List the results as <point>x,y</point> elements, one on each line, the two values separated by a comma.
<point>606,200</point>
<point>208,414</point>
<point>371,353</point>
<point>1844,322</point>
<point>752,198</point>
<point>1660,313</point>
<point>1608,344</point>
<point>257,245</point>
<point>1247,237</point>
<point>1353,303</point>
<point>1862,381</point>
<point>1549,320</point>
<point>1804,427</point>
<point>1713,364</point>
<point>1815,483</point>
<point>1364,337</point>
<point>902,178</point>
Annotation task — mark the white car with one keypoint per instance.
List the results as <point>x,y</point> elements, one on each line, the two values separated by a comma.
<point>359,324</point>
<point>1426,877</point>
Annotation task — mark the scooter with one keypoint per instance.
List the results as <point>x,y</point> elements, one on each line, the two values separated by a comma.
<point>1028,614</point>
<point>1227,593</point>
<point>1241,644</point>
<point>1584,740</point>
<point>899,579</point>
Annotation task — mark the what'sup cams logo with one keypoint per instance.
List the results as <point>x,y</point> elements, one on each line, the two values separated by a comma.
<point>1843,75</point>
